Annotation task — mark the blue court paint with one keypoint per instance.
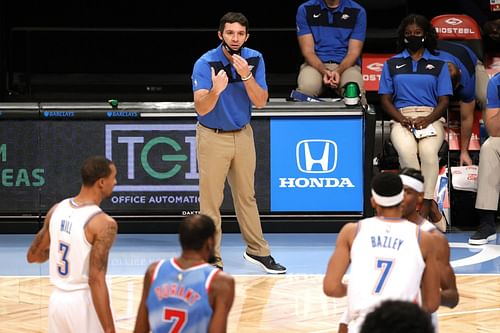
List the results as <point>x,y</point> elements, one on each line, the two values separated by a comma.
<point>300,253</point>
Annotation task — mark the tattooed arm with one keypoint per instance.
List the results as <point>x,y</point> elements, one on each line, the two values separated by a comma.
<point>101,233</point>
<point>39,249</point>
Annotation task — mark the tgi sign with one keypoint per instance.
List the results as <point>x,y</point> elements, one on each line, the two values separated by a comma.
<point>317,165</point>
<point>153,158</point>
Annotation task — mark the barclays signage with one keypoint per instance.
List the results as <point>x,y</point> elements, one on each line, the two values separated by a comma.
<point>317,165</point>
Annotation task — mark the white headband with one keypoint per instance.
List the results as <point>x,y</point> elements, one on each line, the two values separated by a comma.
<point>414,183</point>
<point>388,201</point>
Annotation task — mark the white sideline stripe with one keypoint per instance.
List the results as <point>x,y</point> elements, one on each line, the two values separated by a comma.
<point>468,312</point>
<point>486,252</point>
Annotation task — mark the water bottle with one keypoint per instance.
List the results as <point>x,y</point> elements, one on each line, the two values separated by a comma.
<point>351,94</point>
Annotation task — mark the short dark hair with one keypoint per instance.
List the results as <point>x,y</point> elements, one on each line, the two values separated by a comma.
<point>387,184</point>
<point>94,168</point>
<point>397,317</point>
<point>233,17</point>
<point>421,21</point>
<point>413,173</point>
<point>194,230</point>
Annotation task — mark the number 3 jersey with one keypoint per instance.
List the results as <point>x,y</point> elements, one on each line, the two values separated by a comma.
<point>178,298</point>
<point>386,263</point>
<point>69,249</point>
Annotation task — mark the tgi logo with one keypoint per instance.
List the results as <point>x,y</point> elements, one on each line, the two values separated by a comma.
<point>153,158</point>
<point>322,158</point>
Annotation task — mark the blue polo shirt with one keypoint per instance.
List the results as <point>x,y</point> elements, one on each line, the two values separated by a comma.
<point>331,28</point>
<point>415,83</point>
<point>493,92</point>
<point>233,109</point>
<point>465,59</point>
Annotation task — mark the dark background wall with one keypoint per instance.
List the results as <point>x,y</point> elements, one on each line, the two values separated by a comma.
<point>144,50</point>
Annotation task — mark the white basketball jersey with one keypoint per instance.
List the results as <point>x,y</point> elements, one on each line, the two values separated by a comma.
<point>69,248</point>
<point>386,263</point>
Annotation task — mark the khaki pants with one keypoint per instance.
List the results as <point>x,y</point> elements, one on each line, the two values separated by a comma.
<point>232,156</point>
<point>481,84</point>
<point>310,81</point>
<point>421,154</point>
<point>488,185</point>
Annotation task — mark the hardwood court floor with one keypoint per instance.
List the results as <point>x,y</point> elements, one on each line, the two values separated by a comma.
<point>292,303</point>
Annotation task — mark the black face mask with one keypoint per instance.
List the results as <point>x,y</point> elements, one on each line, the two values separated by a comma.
<point>414,43</point>
<point>230,50</point>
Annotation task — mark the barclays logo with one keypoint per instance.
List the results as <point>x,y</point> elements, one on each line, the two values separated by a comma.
<point>66,114</point>
<point>323,160</point>
<point>111,114</point>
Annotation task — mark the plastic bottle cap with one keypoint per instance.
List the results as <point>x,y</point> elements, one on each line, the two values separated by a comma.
<point>351,93</point>
<point>113,103</point>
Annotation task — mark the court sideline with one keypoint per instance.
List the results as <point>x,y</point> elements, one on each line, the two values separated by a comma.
<point>264,303</point>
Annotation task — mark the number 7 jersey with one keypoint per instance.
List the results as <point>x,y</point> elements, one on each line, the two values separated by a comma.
<point>386,263</point>
<point>178,298</point>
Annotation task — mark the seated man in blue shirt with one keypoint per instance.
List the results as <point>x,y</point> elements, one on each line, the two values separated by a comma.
<point>331,34</point>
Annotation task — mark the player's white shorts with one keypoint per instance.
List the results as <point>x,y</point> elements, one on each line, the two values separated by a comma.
<point>72,311</point>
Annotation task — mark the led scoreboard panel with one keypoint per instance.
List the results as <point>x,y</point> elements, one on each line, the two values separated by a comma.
<point>311,157</point>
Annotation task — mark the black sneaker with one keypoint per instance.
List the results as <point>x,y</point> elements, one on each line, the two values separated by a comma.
<point>483,236</point>
<point>267,263</point>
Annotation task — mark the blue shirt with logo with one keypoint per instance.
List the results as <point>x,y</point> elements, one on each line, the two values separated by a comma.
<point>465,60</point>
<point>493,92</point>
<point>233,109</point>
<point>331,28</point>
<point>178,298</point>
<point>415,83</point>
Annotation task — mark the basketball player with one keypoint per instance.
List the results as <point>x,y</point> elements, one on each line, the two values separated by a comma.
<point>413,183</point>
<point>186,294</point>
<point>414,193</point>
<point>76,238</point>
<point>389,257</point>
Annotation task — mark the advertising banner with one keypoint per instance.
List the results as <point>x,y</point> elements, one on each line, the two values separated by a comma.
<point>22,175</point>
<point>156,164</point>
<point>317,165</point>
<point>304,164</point>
